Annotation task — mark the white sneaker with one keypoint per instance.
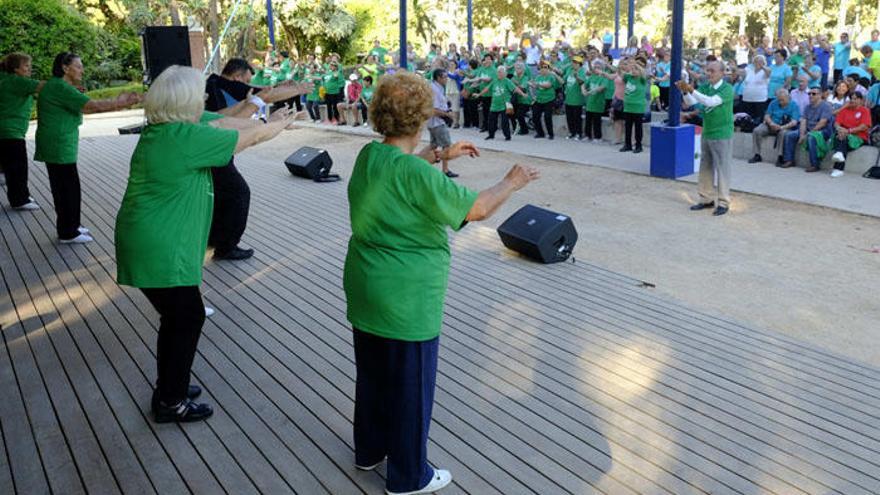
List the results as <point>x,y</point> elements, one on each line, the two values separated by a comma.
<point>836,173</point>
<point>83,230</point>
<point>366,124</point>
<point>29,206</point>
<point>80,239</point>
<point>441,478</point>
<point>838,157</point>
<point>209,312</point>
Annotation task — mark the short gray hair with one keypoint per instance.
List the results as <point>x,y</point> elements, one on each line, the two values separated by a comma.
<point>177,95</point>
<point>762,58</point>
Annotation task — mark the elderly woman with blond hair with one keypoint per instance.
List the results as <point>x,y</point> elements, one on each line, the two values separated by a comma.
<point>396,274</point>
<point>163,223</point>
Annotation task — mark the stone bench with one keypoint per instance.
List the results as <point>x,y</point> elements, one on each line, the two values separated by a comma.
<point>857,161</point>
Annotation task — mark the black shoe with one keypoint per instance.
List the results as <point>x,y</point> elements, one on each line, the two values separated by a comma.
<point>779,161</point>
<point>550,138</point>
<point>234,254</point>
<point>191,393</point>
<point>702,206</point>
<point>522,133</point>
<point>539,136</point>
<point>638,149</point>
<point>507,138</point>
<point>451,174</point>
<point>185,411</point>
<point>483,130</point>
<point>756,159</point>
<point>721,210</point>
<point>625,149</point>
<point>489,137</point>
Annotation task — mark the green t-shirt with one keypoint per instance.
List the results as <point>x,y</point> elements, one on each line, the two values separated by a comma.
<point>334,81</point>
<point>522,82</point>
<point>634,94</point>
<point>379,53</point>
<point>501,91</point>
<point>548,94</point>
<point>16,103</point>
<point>718,120</point>
<point>573,95</point>
<point>162,226</point>
<point>284,71</point>
<point>596,101</point>
<point>316,78</point>
<point>609,88</point>
<point>59,115</point>
<point>490,72</point>
<point>262,78</point>
<point>397,265</point>
<point>510,59</point>
<point>367,93</point>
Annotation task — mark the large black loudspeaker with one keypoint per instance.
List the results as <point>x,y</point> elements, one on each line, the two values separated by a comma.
<point>164,46</point>
<point>311,163</point>
<point>540,234</point>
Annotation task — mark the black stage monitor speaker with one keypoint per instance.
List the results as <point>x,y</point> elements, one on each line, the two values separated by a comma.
<point>540,234</point>
<point>311,163</point>
<point>164,46</point>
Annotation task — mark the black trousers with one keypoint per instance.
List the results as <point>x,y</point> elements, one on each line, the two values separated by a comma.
<point>664,96</point>
<point>573,119</point>
<point>64,182</point>
<point>838,75</point>
<point>181,316</point>
<point>493,123</point>
<point>313,107</point>
<point>13,161</point>
<point>593,125</point>
<point>755,109</point>
<point>520,110</point>
<point>232,201</point>
<point>332,100</point>
<point>471,112</point>
<point>394,398</point>
<point>633,120</point>
<point>363,109</point>
<point>485,103</point>
<point>545,110</point>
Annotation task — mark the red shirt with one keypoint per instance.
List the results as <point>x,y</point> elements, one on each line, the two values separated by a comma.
<point>849,117</point>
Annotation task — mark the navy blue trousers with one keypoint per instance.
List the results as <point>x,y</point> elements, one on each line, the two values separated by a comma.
<point>394,396</point>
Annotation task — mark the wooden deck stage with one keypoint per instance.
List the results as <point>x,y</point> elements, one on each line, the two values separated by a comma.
<point>552,379</point>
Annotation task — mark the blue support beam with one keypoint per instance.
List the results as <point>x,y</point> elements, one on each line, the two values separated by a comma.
<point>403,61</point>
<point>616,24</point>
<point>780,28</point>
<point>630,20</point>
<point>675,62</point>
<point>470,24</point>
<point>270,20</point>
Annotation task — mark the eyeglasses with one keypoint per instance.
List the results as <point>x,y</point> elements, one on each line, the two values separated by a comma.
<point>813,93</point>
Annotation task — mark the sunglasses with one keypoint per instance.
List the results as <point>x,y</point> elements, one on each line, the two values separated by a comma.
<point>813,93</point>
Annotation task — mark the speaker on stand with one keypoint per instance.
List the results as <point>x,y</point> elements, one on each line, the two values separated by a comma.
<point>539,234</point>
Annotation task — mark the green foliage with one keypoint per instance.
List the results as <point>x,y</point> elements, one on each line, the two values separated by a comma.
<point>44,28</point>
<point>321,23</point>
<point>113,92</point>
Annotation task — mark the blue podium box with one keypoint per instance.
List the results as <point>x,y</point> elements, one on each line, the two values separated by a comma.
<point>672,151</point>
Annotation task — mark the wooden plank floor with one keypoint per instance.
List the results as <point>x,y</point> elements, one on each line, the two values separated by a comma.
<point>552,379</point>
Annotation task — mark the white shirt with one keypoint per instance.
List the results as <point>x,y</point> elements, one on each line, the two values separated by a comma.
<point>533,55</point>
<point>742,55</point>
<point>707,101</point>
<point>440,103</point>
<point>755,85</point>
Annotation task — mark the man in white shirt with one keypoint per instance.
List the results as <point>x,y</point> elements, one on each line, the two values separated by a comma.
<point>437,127</point>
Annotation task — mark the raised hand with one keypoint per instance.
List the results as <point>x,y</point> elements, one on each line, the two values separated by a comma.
<point>520,175</point>
<point>462,148</point>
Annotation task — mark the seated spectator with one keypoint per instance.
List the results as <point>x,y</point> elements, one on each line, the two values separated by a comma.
<point>351,96</point>
<point>782,115</point>
<point>872,100</point>
<point>366,98</point>
<point>814,131</point>
<point>855,69</point>
<point>851,126</point>
<point>839,96</point>
<point>855,85</point>
<point>799,95</point>
<point>755,83</point>
<point>872,63</point>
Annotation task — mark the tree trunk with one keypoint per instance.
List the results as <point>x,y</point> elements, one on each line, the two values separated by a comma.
<point>174,12</point>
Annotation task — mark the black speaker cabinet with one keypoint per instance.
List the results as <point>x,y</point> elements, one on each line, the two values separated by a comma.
<point>311,163</point>
<point>539,234</point>
<point>164,46</point>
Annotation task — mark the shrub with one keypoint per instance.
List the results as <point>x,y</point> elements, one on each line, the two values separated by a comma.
<point>44,28</point>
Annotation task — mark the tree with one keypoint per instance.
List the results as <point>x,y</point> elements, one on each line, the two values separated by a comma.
<point>315,23</point>
<point>516,15</point>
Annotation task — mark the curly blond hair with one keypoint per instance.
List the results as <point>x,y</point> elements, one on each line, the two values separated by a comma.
<point>401,104</point>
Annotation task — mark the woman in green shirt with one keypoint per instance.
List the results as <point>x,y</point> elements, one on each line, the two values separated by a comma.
<point>334,82</point>
<point>17,91</point>
<point>395,278</point>
<point>366,98</point>
<point>634,102</point>
<point>521,104</point>
<point>501,91</point>
<point>544,84</point>
<point>574,99</point>
<point>59,114</point>
<point>315,75</point>
<point>163,223</point>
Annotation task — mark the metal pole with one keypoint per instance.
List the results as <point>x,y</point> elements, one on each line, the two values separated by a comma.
<point>403,63</point>
<point>470,24</point>
<point>616,24</point>
<point>270,20</point>
<point>675,65</point>
<point>630,21</point>
<point>780,29</point>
